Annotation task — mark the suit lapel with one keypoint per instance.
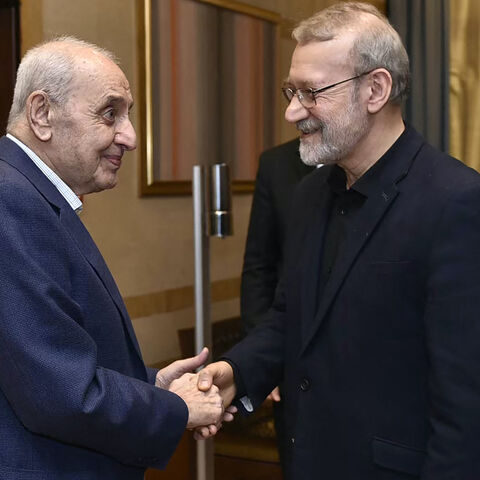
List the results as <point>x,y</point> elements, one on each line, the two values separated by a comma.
<point>360,233</point>
<point>313,242</point>
<point>363,227</point>
<point>17,158</point>
<point>86,245</point>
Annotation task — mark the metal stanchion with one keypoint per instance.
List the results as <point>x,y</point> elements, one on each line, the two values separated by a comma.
<point>203,336</point>
<point>221,224</point>
<point>219,211</point>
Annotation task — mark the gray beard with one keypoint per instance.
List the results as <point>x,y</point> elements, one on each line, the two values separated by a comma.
<point>335,139</point>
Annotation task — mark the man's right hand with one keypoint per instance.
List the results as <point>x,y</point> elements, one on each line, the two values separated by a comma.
<point>221,375</point>
<point>204,407</point>
<point>218,374</point>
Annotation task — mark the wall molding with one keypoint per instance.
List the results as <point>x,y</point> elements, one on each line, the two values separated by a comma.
<point>175,299</point>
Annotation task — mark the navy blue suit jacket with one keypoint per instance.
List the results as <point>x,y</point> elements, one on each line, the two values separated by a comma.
<point>76,400</point>
<point>382,379</point>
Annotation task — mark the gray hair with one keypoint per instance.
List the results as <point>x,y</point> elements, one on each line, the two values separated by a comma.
<point>377,44</point>
<point>50,70</point>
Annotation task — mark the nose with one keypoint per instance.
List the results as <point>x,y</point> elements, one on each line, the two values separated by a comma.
<point>126,136</point>
<point>295,111</point>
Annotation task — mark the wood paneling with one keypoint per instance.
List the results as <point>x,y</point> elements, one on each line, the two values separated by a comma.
<point>178,298</point>
<point>182,466</point>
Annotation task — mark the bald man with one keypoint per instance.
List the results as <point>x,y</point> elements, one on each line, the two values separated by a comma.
<point>76,400</point>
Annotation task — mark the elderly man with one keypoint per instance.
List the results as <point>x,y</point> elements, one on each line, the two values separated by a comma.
<point>376,330</point>
<point>76,400</point>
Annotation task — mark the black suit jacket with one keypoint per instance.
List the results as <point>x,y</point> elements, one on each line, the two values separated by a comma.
<point>280,169</point>
<point>382,381</point>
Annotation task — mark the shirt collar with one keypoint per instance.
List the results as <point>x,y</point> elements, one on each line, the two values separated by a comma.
<point>67,193</point>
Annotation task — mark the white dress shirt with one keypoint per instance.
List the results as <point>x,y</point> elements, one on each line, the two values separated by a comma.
<point>66,192</point>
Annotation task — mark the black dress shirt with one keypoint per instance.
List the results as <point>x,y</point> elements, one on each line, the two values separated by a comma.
<point>344,206</point>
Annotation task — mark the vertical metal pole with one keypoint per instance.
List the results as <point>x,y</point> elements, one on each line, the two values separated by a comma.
<point>221,223</point>
<point>203,335</point>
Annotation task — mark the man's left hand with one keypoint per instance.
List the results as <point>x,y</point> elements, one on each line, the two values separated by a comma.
<point>175,370</point>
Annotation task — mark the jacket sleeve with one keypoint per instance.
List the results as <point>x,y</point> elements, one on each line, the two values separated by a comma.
<point>452,323</point>
<point>48,362</point>
<point>259,358</point>
<point>152,375</point>
<point>262,253</point>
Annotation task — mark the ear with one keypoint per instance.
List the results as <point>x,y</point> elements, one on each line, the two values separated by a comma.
<point>380,89</point>
<point>38,115</point>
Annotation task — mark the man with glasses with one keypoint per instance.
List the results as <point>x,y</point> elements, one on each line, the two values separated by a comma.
<point>375,329</point>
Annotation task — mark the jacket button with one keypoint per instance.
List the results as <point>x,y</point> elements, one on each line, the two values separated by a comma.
<point>305,385</point>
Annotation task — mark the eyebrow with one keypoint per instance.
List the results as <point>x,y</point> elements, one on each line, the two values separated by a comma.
<point>303,83</point>
<point>111,98</point>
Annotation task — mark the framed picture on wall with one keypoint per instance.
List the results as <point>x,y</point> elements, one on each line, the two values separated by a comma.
<point>209,83</point>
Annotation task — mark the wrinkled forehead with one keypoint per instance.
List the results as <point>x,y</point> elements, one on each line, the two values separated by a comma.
<point>320,59</point>
<point>97,76</point>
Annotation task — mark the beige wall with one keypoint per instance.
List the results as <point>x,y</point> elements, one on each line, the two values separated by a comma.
<point>148,242</point>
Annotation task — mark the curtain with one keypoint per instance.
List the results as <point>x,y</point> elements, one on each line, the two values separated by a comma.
<point>465,81</point>
<point>424,28</point>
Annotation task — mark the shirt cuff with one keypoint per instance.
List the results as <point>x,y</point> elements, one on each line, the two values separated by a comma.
<point>247,404</point>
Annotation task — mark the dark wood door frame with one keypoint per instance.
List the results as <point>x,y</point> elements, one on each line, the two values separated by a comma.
<point>9,55</point>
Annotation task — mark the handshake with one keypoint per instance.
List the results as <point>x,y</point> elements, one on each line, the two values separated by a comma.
<point>208,394</point>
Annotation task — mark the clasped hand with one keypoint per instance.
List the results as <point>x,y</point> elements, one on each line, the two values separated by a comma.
<point>206,406</point>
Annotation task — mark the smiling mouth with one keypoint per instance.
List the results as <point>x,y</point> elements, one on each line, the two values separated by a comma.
<point>308,131</point>
<point>308,127</point>
<point>114,159</point>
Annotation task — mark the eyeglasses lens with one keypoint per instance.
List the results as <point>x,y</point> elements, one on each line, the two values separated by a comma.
<point>305,97</point>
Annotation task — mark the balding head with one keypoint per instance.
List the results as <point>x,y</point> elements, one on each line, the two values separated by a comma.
<point>50,68</point>
<point>71,107</point>
<point>375,43</point>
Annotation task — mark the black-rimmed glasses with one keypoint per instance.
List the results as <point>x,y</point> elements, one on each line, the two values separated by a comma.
<point>307,96</point>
